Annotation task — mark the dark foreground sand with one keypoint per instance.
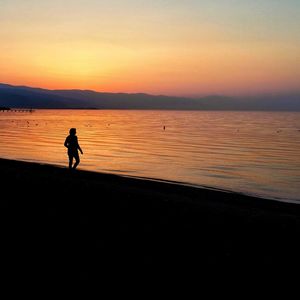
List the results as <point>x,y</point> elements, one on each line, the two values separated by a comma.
<point>61,224</point>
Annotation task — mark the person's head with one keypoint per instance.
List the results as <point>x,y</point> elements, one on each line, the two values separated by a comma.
<point>72,131</point>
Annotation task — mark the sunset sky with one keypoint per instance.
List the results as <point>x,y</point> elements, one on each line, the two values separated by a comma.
<point>172,47</point>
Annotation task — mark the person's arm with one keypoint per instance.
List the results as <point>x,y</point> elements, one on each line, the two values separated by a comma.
<point>66,144</point>
<point>80,149</point>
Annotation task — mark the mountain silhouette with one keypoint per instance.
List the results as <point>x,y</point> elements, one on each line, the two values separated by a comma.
<point>29,97</point>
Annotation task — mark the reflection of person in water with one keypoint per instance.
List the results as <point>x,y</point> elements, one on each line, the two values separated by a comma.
<point>71,143</point>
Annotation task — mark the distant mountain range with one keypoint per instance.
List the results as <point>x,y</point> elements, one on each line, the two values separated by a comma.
<point>28,97</point>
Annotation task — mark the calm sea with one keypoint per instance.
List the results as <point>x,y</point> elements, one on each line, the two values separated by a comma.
<point>255,153</point>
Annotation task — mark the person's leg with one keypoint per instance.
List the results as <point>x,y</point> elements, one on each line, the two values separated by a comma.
<point>70,161</point>
<point>77,160</point>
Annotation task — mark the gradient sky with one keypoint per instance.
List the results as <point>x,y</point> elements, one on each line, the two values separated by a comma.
<point>190,47</point>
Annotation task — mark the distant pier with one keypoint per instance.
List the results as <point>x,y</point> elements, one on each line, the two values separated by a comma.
<point>23,110</point>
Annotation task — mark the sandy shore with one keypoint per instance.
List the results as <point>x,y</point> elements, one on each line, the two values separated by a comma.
<point>80,224</point>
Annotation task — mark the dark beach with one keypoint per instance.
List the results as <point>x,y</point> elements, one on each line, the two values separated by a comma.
<point>82,224</point>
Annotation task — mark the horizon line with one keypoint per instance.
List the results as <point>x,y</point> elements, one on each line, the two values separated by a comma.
<point>161,95</point>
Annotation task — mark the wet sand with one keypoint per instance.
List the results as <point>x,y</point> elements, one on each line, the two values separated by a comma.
<point>62,224</point>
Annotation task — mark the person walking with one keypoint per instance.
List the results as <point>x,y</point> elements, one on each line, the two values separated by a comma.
<point>72,144</point>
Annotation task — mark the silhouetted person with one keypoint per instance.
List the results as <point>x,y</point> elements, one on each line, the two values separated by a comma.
<point>71,143</point>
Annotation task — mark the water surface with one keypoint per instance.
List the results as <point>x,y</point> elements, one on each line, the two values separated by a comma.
<point>251,152</point>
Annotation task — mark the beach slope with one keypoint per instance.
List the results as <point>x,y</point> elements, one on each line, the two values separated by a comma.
<point>61,223</point>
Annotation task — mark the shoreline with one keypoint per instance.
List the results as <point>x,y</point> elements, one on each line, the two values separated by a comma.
<point>211,188</point>
<point>161,183</point>
<point>54,217</point>
<point>167,181</point>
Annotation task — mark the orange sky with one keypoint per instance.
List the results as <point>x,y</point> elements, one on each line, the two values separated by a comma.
<point>164,47</point>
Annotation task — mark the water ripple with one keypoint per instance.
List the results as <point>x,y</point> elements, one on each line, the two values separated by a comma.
<point>250,152</point>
